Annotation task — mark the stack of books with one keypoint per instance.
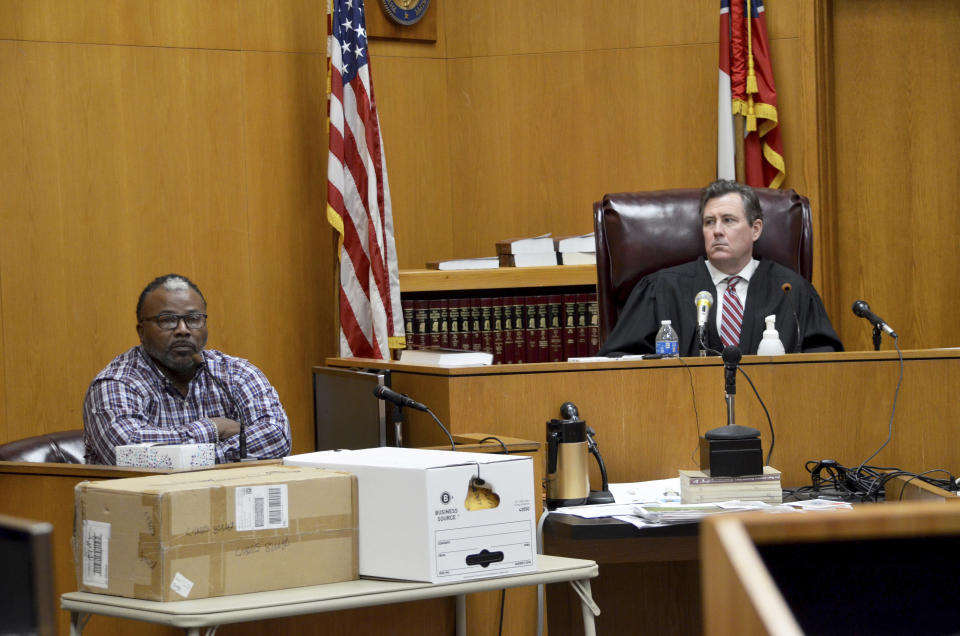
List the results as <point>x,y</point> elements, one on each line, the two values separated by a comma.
<point>697,487</point>
<point>548,327</point>
<point>576,250</point>
<point>527,252</point>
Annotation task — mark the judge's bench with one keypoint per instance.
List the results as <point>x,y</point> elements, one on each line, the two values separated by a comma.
<point>649,414</point>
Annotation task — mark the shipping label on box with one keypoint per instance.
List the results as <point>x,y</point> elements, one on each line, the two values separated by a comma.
<point>171,456</point>
<point>211,533</point>
<point>439,516</point>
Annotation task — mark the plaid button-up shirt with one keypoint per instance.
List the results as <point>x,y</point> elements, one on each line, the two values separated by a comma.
<point>131,401</point>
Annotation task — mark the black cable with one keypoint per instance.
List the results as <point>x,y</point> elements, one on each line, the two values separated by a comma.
<point>696,412</point>
<point>773,437</point>
<point>503,600</point>
<point>866,483</point>
<point>453,446</point>
<point>893,411</point>
<point>494,437</point>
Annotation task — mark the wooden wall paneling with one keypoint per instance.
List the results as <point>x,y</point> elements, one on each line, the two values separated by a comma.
<point>896,73</point>
<point>412,100</point>
<point>301,25</point>
<point>533,160</point>
<point>285,151</point>
<point>481,29</point>
<point>417,618</point>
<point>210,24</point>
<point>284,25</point>
<point>664,598</point>
<point>120,156</point>
<point>819,140</point>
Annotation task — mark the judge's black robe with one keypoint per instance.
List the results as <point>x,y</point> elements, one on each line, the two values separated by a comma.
<point>669,295</point>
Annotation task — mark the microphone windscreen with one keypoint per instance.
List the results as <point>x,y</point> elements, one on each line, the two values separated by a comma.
<point>704,297</point>
<point>732,354</point>
<point>860,307</point>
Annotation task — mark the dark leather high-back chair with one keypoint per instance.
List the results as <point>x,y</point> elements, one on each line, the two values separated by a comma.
<point>638,233</point>
<point>62,447</point>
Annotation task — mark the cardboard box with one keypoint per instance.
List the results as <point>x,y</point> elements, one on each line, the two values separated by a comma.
<point>425,517</point>
<point>174,456</point>
<point>215,532</point>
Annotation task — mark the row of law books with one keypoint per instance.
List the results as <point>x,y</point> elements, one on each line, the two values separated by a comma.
<point>539,251</point>
<point>514,329</point>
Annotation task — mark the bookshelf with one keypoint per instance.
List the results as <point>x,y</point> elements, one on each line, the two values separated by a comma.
<point>518,314</point>
<point>428,280</point>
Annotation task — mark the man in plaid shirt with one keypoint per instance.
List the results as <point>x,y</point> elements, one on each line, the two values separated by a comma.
<point>164,389</point>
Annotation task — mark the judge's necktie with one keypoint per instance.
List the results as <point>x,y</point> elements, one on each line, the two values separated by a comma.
<point>732,316</point>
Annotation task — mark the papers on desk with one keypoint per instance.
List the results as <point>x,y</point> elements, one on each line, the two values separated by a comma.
<point>687,513</point>
<point>657,503</point>
<point>657,490</point>
<point>659,514</point>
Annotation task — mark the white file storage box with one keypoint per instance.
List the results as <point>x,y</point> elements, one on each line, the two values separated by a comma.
<point>439,516</point>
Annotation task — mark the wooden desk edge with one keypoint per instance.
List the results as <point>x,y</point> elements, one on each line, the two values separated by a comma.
<point>613,364</point>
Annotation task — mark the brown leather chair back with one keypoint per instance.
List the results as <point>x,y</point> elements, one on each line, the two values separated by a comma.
<point>63,447</point>
<point>638,233</point>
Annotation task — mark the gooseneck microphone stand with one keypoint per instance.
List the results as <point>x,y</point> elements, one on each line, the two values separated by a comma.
<point>201,363</point>
<point>731,358</point>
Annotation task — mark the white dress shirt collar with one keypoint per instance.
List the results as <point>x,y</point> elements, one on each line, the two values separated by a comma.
<point>746,273</point>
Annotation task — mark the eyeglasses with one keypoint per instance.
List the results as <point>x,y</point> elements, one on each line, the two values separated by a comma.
<point>169,322</point>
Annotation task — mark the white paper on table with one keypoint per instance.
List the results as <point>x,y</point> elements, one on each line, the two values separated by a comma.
<point>597,511</point>
<point>636,521</point>
<point>736,504</point>
<point>658,490</point>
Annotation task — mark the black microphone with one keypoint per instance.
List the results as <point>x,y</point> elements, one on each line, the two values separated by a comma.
<point>201,362</point>
<point>862,309</point>
<point>399,399</point>
<point>402,400</point>
<point>731,358</point>
<point>786,287</point>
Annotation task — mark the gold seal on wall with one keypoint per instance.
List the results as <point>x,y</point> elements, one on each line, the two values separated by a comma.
<point>405,12</point>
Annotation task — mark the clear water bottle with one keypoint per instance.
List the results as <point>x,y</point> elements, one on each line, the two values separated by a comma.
<point>667,344</point>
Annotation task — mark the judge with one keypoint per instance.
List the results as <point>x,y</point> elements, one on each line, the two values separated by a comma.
<point>745,289</point>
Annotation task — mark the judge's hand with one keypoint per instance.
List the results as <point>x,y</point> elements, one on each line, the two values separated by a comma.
<point>226,427</point>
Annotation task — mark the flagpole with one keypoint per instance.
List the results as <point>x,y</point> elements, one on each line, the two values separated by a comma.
<point>739,161</point>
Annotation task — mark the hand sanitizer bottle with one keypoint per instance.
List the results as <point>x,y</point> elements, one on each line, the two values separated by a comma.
<point>770,345</point>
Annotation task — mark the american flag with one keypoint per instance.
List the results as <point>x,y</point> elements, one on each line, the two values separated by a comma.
<point>746,88</point>
<point>358,194</point>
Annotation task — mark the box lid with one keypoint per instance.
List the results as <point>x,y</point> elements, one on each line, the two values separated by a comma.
<point>403,458</point>
<point>156,484</point>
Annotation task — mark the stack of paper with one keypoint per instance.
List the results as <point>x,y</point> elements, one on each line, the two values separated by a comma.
<point>576,250</point>
<point>438,356</point>
<point>688,513</point>
<point>527,252</point>
<point>483,262</point>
